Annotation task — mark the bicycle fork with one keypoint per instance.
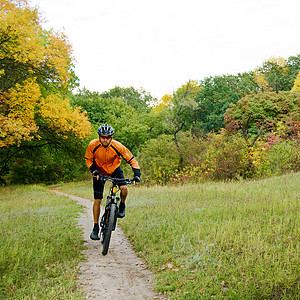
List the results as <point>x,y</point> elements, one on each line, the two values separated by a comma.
<point>105,217</point>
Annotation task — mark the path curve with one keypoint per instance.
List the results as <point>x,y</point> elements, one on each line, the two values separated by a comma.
<point>118,275</point>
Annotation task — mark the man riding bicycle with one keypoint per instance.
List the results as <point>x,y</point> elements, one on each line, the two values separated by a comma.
<point>103,157</point>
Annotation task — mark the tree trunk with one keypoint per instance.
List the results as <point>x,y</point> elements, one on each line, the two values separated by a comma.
<point>180,165</point>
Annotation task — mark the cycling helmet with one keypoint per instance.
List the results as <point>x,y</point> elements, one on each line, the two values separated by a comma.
<point>105,130</point>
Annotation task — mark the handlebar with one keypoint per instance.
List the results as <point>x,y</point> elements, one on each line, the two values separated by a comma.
<point>116,180</point>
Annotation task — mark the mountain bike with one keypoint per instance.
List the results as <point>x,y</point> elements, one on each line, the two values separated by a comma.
<point>109,219</point>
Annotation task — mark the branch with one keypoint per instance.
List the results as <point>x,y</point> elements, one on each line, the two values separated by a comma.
<point>257,136</point>
<point>175,134</point>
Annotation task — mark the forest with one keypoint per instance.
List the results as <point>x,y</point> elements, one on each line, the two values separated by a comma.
<point>226,127</point>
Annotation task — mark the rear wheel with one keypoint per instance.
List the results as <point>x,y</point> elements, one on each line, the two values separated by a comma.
<point>108,228</point>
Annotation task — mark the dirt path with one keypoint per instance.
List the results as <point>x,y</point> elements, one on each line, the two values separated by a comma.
<point>118,275</point>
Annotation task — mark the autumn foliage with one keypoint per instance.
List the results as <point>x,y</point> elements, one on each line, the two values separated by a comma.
<point>260,113</point>
<point>35,78</point>
<point>221,127</point>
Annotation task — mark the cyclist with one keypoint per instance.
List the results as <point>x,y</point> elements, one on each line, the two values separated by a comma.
<point>103,157</point>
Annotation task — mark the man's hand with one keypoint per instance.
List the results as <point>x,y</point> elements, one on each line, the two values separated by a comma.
<point>96,173</point>
<point>137,179</point>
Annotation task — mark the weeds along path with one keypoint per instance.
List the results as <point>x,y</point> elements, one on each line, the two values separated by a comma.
<point>118,275</point>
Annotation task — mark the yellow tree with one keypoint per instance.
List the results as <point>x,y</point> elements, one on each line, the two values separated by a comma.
<point>165,102</point>
<point>35,76</point>
<point>296,87</point>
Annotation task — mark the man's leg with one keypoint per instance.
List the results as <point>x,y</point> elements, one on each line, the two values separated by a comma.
<point>118,173</point>
<point>123,194</point>
<point>96,214</point>
<point>96,210</point>
<point>98,186</point>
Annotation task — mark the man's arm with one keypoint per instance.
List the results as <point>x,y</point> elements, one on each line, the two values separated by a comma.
<point>128,156</point>
<point>89,158</point>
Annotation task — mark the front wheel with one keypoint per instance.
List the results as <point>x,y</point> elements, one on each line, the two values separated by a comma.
<point>108,228</point>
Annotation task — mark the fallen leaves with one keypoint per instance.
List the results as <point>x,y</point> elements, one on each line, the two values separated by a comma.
<point>48,267</point>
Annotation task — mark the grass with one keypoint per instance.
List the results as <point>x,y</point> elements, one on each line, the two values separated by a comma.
<point>235,240</point>
<point>40,244</point>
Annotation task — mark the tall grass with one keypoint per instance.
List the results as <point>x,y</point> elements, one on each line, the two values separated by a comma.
<point>237,240</point>
<point>40,244</point>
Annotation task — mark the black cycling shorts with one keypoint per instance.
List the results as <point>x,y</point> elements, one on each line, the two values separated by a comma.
<point>98,185</point>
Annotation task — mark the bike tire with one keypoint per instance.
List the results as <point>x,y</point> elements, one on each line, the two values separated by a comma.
<point>109,229</point>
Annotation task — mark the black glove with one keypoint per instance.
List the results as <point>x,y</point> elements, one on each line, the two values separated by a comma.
<point>96,173</point>
<point>137,179</point>
<point>137,175</point>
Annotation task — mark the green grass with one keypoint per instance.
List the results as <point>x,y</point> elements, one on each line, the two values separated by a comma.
<point>236,240</point>
<point>40,244</point>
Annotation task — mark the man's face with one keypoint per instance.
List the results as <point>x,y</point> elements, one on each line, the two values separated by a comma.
<point>105,139</point>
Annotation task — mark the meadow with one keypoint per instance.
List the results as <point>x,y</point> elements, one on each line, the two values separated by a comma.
<point>40,244</point>
<point>231,240</point>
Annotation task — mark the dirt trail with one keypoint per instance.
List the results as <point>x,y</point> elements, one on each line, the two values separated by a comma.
<point>118,275</point>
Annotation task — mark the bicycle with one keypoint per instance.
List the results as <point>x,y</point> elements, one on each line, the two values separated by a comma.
<point>109,219</point>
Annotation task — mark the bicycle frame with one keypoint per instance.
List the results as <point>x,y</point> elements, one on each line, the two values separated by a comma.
<point>109,219</point>
<point>112,199</point>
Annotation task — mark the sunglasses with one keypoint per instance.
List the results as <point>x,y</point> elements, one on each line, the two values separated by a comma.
<point>102,137</point>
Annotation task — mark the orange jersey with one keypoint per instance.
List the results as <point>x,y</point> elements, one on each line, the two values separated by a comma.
<point>107,159</point>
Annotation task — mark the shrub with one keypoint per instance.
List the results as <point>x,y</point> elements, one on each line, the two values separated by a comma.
<point>159,159</point>
<point>284,157</point>
<point>225,156</point>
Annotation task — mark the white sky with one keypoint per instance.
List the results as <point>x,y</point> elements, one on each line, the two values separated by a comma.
<point>161,44</point>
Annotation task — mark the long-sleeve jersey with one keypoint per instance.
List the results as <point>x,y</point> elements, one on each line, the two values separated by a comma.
<point>107,159</point>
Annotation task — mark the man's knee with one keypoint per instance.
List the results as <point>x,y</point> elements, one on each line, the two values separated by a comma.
<point>98,201</point>
<point>123,188</point>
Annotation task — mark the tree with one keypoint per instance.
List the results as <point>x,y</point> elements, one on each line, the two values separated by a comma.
<point>277,74</point>
<point>35,77</point>
<point>293,64</point>
<point>140,100</point>
<point>130,125</point>
<point>296,87</point>
<point>216,94</point>
<point>257,113</point>
<point>157,119</point>
<point>181,110</point>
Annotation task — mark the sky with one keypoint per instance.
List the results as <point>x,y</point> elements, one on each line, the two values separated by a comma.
<point>159,45</point>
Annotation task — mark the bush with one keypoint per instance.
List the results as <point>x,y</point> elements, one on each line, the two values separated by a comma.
<point>284,157</point>
<point>159,159</point>
<point>46,166</point>
<point>217,157</point>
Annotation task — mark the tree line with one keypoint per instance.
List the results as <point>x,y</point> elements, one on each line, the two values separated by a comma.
<point>221,127</point>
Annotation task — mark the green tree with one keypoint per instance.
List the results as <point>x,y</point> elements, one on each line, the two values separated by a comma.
<point>278,74</point>
<point>129,125</point>
<point>215,95</point>
<point>180,110</point>
<point>260,113</point>
<point>140,100</point>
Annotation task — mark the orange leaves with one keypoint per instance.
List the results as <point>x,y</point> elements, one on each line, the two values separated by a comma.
<point>58,55</point>
<point>21,101</point>
<point>14,131</point>
<point>23,110</point>
<point>17,117</point>
<point>60,116</point>
<point>20,33</point>
<point>32,57</point>
<point>31,49</point>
